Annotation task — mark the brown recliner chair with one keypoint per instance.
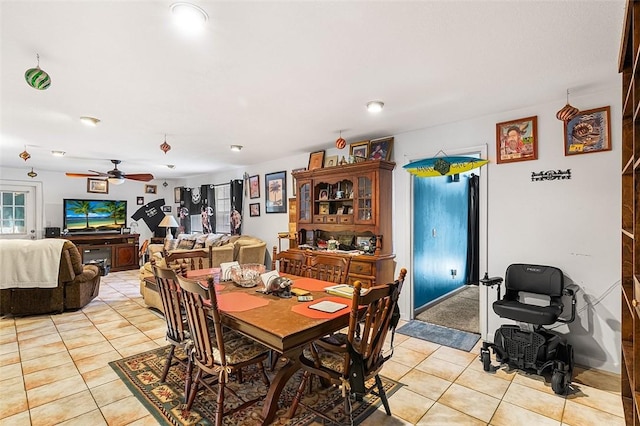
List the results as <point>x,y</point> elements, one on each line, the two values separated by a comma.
<point>78,285</point>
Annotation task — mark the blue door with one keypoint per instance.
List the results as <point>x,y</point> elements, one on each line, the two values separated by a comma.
<point>440,212</point>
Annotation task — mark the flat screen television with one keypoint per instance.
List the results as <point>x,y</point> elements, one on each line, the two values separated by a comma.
<point>90,216</point>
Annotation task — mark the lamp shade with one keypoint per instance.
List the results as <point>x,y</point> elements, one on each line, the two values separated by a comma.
<point>169,221</point>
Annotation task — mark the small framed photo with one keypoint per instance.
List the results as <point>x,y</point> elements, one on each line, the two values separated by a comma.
<point>517,140</point>
<point>380,149</point>
<point>254,209</point>
<point>359,150</point>
<point>331,161</point>
<point>275,186</point>
<point>98,186</point>
<point>140,201</point>
<point>254,186</point>
<point>166,209</point>
<point>316,160</point>
<point>176,195</point>
<point>151,189</point>
<point>323,195</point>
<point>588,132</point>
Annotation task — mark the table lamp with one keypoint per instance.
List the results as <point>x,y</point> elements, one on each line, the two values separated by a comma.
<point>169,222</point>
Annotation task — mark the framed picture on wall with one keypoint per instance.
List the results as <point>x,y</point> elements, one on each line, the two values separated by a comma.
<point>254,186</point>
<point>97,186</point>
<point>176,195</point>
<point>275,187</point>
<point>517,140</point>
<point>151,189</point>
<point>140,201</point>
<point>166,209</point>
<point>254,209</point>
<point>588,132</point>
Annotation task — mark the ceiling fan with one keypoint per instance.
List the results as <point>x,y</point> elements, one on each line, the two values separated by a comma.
<point>115,176</point>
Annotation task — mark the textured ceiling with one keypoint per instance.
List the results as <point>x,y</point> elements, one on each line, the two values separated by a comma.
<point>280,77</point>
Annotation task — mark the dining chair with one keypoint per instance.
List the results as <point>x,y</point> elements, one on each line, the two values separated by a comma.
<point>359,357</point>
<point>194,259</point>
<point>334,269</point>
<point>177,329</point>
<point>217,352</point>
<point>142,253</point>
<point>294,263</point>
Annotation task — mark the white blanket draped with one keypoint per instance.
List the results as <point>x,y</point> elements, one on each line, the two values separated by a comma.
<point>30,263</point>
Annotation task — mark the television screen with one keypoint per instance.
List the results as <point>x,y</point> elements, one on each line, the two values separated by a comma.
<point>94,215</point>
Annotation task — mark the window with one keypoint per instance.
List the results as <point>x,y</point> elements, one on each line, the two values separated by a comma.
<point>12,213</point>
<point>223,208</point>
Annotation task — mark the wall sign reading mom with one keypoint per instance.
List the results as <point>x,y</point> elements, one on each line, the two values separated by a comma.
<point>275,187</point>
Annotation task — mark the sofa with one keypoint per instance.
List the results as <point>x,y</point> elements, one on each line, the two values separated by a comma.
<point>78,285</point>
<point>220,247</point>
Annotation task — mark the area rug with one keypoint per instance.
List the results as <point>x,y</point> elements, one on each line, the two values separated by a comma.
<point>441,335</point>
<point>141,373</point>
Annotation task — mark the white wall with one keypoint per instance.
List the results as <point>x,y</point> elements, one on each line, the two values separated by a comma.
<point>572,224</point>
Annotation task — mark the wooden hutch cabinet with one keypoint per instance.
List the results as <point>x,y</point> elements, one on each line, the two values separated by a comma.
<point>349,203</point>
<point>630,222</point>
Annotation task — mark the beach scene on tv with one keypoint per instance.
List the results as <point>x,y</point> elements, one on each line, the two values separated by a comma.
<point>94,216</point>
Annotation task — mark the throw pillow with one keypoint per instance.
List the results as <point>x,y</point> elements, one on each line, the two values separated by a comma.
<point>170,245</point>
<point>200,241</point>
<point>186,244</point>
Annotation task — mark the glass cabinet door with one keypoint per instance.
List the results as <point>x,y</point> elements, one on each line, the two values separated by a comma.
<point>304,200</point>
<point>364,212</point>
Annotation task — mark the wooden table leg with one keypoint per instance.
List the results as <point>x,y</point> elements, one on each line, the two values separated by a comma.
<point>278,383</point>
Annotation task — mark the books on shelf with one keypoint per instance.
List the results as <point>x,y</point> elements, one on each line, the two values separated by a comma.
<point>343,290</point>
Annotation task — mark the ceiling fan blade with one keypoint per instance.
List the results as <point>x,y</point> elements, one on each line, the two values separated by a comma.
<point>100,173</point>
<point>144,177</point>
<point>81,175</point>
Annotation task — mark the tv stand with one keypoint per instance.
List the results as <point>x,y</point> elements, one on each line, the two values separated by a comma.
<point>120,250</point>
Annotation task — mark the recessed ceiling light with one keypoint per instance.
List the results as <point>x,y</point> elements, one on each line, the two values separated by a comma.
<point>58,153</point>
<point>236,148</point>
<point>89,121</point>
<point>375,106</point>
<point>171,166</point>
<point>189,17</point>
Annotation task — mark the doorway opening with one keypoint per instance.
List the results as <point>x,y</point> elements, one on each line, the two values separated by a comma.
<point>446,251</point>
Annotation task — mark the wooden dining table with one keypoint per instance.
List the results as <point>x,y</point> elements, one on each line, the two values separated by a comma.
<point>284,325</point>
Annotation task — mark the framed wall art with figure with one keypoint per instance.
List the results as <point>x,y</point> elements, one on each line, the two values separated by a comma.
<point>275,186</point>
<point>254,186</point>
<point>588,132</point>
<point>517,140</point>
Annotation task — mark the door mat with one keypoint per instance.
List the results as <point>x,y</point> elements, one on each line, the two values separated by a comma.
<point>442,335</point>
<point>141,373</point>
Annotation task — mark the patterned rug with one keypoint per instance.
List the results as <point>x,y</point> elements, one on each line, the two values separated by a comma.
<point>141,373</point>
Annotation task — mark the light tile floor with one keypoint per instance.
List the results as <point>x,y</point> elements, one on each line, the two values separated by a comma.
<point>54,370</point>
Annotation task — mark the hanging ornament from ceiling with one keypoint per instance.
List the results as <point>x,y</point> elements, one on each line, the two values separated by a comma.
<point>340,143</point>
<point>443,166</point>
<point>32,174</point>
<point>165,184</point>
<point>36,77</point>
<point>24,154</point>
<point>165,147</point>
<point>567,112</point>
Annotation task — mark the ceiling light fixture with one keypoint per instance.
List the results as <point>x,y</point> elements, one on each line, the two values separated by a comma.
<point>236,148</point>
<point>189,17</point>
<point>89,121</point>
<point>32,174</point>
<point>24,154</point>
<point>171,166</point>
<point>119,180</point>
<point>58,153</point>
<point>375,106</point>
<point>567,112</point>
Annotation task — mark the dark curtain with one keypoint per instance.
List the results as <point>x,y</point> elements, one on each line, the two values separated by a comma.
<point>473,222</point>
<point>208,208</point>
<point>236,206</point>
<point>184,215</point>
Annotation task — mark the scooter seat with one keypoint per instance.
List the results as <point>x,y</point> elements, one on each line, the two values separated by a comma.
<point>524,312</point>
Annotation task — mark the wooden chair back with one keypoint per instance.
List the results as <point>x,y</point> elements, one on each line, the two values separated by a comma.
<point>199,315</point>
<point>380,301</point>
<point>170,294</point>
<point>194,259</point>
<point>334,269</point>
<point>294,263</point>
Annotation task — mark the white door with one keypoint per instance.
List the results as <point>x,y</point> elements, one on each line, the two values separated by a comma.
<point>20,210</point>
